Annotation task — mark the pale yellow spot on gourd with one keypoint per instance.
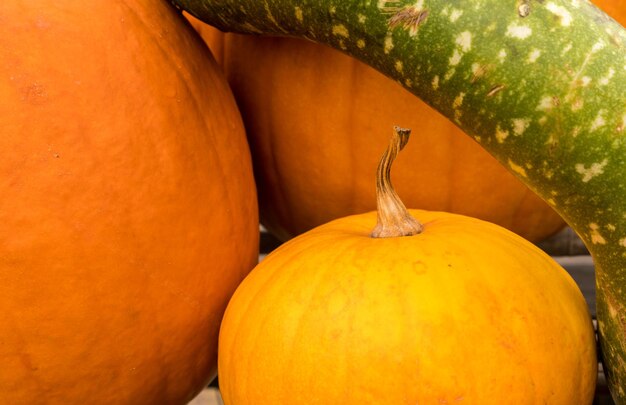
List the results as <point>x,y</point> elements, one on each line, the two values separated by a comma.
<point>268,12</point>
<point>458,101</point>
<point>360,43</point>
<point>577,104</point>
<point>564,16</point>
<point>464,40</point>
<point>585,80</point>
<point>455,58</point>
<point>517,169</point>
<point>399,66</point>
<point>597,46</point>
<point>596,237</point>
<point>518,31</point>
<point>501,134</point>
<point>606,79</point>
<point>610,227</point>
<point>455,15</point>
<point>612,310</point>
<point>299,14</point>
<point>546,103</point>
<point>534,55</point>
<point>551,201</point>
<point>449,74</point>
<point>388,46</point>
<point>332,10</point>
<point>362,18</point>
<point>435,82</point>
<point>622,242</point>
<point>502,55</point>
<point>520,125</point>
<point>599,121</point>
<point>341,30</point>
<point>567,48</point>
<point>408,83</point>
<point>592,171</point>
<point>491,27</point>
<point>542,120</point>
<point>251,28</point>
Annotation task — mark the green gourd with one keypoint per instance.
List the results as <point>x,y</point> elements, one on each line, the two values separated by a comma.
<point>541,85</point>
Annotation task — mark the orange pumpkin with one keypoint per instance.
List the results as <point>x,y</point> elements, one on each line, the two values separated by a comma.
<point>128,205</point>
<point>314,118</point>
<point>614,8</point>
<point>463,312</point>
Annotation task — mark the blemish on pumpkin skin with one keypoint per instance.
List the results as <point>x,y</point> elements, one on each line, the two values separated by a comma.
<point>34,94</point>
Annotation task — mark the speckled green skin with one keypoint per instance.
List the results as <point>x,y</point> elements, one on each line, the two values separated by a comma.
<point>540,84</point>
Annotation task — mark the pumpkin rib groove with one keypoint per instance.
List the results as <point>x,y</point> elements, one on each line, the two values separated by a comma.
<point>173,61</point>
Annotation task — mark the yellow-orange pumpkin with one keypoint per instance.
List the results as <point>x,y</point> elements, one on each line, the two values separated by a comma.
<point>464,312</point>
<point>127,204</point>
<point>316,119</point>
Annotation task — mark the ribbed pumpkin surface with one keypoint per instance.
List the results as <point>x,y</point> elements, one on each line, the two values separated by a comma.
<point>317,119</point>
<point>128,206</point>
<point>465,312</point>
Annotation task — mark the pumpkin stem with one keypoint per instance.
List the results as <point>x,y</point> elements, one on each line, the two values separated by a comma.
<point>393,218</point>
